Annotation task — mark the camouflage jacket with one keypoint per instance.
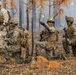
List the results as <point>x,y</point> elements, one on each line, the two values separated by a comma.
<point>5,15</point>
<point>50,37</point>
<point>71,31</point>
<point>13,37</point>
<point>72,34</point>
<point>13,44</point>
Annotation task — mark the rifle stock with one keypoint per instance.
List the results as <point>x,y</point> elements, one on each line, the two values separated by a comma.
<point>66,37</point>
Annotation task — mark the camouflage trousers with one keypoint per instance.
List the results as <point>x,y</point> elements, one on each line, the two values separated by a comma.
<point>40,48</point>
<point>66,48</point>
<point>10,51</point>
<point>13,48</point>
<point>50,53</point>
<point>74,50</point>
<point>42,51</point>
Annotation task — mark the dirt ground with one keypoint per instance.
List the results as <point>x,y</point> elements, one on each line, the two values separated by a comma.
<point>67,67</point>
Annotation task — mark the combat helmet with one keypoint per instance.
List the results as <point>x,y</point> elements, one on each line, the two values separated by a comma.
<point>70,19</point>
<point>51,21</point>
<point>14,21</point>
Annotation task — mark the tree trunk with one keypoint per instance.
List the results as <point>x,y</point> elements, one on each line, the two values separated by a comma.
<point>12,8</point>
<point>49,8</point>
<point>39,20</point>
<point>33,25</point>
<point>20,13</point>
<point>4,4</point>
<point>27,12</point>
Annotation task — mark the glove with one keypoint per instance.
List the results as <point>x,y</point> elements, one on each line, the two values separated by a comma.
<point>69,41</point>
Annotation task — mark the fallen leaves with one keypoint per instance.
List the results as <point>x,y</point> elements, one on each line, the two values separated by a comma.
<point>44,63</point>
<point>53,65</point>
<point>67,67</point>
<point>2,59</point>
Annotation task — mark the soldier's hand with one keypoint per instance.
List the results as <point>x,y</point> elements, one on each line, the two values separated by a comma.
<point>69,41</point>
<point>4,24</point>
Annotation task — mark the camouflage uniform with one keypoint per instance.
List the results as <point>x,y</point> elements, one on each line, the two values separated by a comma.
<point>1,21</point>
<point>4,17</point>
<point>71,31</point>
<point>12,46</point>
<point>51,38</point>
<point>25,41</point>
<point>26,44</point>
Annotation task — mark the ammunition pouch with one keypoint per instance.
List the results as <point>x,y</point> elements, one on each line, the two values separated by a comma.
<point>23,42</point>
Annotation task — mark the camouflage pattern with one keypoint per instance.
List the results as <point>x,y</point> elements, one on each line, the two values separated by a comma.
<point>25,41</point>
<point>72,38</point>
<point>1,18</point>
<point>50,20</point>
<point>40,48</point>
<point>51,45</point>
<point>70,19</point>
<point>17,44</point>
<point>71,31</point>
<point>66,48</point>
<point>4,18</point>
<point>51,38</point>
<point>12,41</point>
<point>14,21</point>
<point>1,21</point>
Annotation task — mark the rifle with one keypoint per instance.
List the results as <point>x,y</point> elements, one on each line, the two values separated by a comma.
<point>66,36</point>
<point>66,46</point>
<point>7,35</point>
